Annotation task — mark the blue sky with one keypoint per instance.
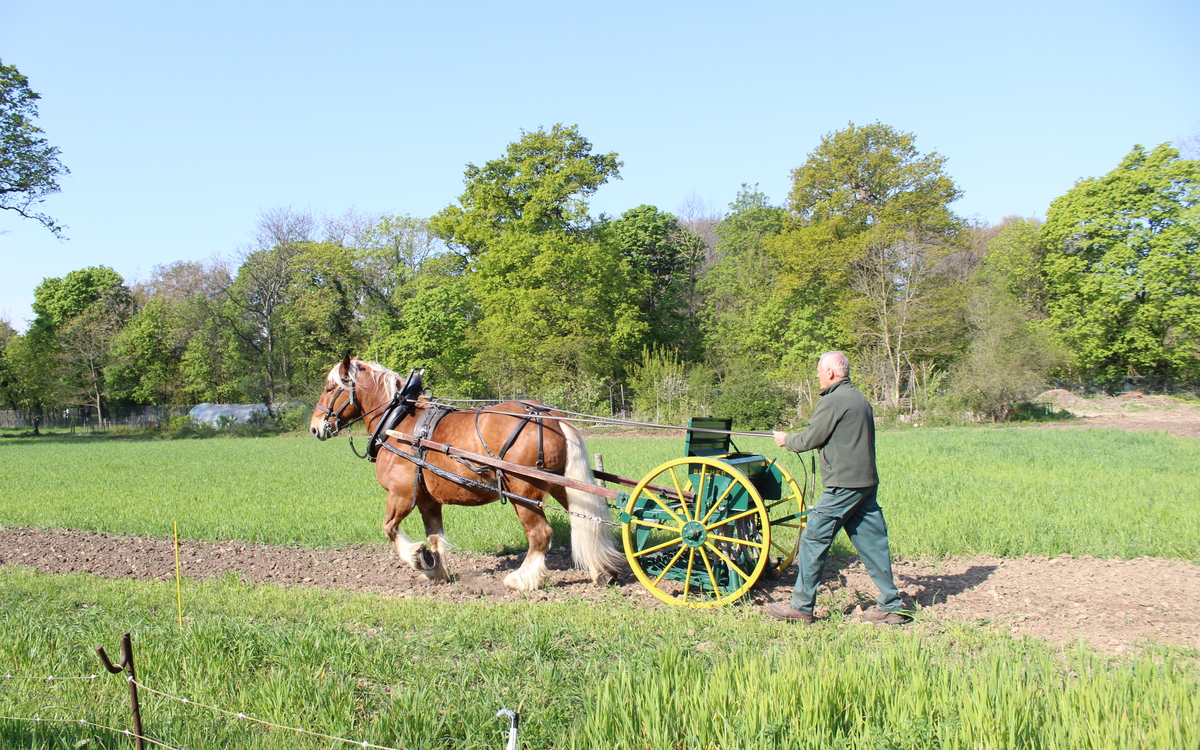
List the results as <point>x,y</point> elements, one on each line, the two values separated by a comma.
<point>182,122</point>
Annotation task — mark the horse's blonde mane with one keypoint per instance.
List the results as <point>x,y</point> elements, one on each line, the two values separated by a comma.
<point>380,375</point>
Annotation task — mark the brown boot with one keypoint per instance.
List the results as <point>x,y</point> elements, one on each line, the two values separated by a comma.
<point>878,616</point>
<point>786,612</point>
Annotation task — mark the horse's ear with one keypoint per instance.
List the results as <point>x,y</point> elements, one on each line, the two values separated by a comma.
<point>346,366</point>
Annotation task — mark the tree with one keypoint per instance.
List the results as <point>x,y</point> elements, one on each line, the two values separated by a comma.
<point>540,185</point>
<point>740,318</point>
<point>64,355</point>
<point>259,297</point>
<point>552,308</point>
<point>555,303</point>
<point>871,228</point>
<point>57,301</point>
<point>87,339</point>
<point>1122,268</point>
<point>29,165</point>
<point>652,241</point>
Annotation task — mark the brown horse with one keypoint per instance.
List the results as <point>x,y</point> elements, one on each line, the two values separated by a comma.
<point>362,390</point>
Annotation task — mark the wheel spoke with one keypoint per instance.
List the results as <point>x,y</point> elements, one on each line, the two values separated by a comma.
<point>717,504</point>
<point>716,587</point>
<point>658,501</point>
<point>664,545</point>
<point>687,581</point>
<point>735,540</point>
<point>728,562</point>
<point>730,519</point>
<point>669,566</point>
<point>652,525</point>
<point>699,491</point>
<point>679,490</point>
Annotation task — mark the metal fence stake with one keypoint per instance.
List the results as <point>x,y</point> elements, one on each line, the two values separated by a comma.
<point>127,666</point>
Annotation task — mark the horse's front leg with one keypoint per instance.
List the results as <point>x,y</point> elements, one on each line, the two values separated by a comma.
<point>416,554</point>
<point>435,540</point>
<point>532,573</point>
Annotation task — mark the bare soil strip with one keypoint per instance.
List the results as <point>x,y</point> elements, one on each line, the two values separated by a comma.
<point>1114,605</point>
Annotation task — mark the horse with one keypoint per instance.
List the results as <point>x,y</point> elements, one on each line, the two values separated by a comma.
<point>514,431</point>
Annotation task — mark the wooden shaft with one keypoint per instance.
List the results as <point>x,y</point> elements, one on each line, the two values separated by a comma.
<point>499,463</point>
<point>532,473</point>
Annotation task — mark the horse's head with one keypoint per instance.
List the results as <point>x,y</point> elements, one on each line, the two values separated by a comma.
<point>339,405</point>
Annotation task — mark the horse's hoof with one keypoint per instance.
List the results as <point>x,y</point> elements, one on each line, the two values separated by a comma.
<point>425,559</point>
<point>604,579</point>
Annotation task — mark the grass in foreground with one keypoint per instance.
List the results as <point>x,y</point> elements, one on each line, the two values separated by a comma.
<point>1005,492</point>
<point>419,674</point>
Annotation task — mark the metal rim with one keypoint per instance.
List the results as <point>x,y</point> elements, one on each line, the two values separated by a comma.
<point>783,515</point>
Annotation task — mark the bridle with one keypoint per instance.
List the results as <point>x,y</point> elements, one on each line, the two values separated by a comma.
<point>339,424</point>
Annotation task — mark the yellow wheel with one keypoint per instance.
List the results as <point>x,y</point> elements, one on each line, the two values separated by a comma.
<point>696,532</point>
<point>788,516</point>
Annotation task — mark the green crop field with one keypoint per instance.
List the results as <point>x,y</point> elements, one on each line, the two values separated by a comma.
<point>420,674</point>
<point>1006,492</point>
<point>605,673</point>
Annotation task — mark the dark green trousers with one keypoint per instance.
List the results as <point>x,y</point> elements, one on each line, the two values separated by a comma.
<point>855,510</point>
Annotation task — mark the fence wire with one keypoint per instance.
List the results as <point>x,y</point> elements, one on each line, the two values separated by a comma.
<point>127,732</point>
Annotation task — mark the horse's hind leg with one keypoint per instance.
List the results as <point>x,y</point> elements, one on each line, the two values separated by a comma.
<point>435,540</point>
<point>532,573</point>
<point>416,554</point>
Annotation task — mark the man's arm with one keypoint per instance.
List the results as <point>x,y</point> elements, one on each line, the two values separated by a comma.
<point>820,427</point>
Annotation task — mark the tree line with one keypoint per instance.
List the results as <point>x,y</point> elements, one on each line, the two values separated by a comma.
<point>515,288</point>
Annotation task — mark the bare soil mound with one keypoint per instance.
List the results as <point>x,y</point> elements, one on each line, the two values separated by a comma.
<point>1113,604</point>
<point>1131,411</point>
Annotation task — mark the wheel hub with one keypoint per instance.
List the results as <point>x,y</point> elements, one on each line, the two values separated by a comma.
<point>694,534</point>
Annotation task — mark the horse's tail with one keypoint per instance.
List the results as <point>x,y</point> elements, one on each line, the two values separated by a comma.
<point>592,545</point>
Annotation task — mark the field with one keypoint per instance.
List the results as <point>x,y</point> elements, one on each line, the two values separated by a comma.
<point>601,669</point>
<point>960,492</point>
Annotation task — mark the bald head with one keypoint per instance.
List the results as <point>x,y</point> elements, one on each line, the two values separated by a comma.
<point>837,364</point>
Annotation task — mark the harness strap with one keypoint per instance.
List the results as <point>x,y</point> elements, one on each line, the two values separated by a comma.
<point>398,408</point>
<point>424,428</point>
<point>535,412</point>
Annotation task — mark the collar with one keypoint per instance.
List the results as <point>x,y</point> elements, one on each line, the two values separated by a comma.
<point>834,385</point>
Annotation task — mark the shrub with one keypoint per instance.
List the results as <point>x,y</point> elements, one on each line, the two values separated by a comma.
<point>754,401</point>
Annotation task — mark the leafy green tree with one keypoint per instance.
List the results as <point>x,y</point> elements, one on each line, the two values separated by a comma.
<point>871,228</point>
<point>541,185</point>
<point>390,253</point>
<point>1011,353</point>
<point>753,400</point>
<point>665,390</point>
<point>62,358</point>
<point>33,364</point>
<point>145,356</point>
<point>554,304</point>
<point>554,307</point>
<point>1122,268</point>
<point>654,244</point>
<point>1014,259</point>
<point>432,332</point>
<point>742,314</point>
<point>56,301</point>
<point>29,165</point>
<point>86,342</point>
<point>321,319</point>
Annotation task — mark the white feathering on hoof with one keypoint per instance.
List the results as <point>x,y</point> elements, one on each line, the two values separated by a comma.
<point>592,546</point>
<point>514,718</point>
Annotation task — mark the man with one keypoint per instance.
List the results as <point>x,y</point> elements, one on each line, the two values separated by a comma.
<point>843,429</point>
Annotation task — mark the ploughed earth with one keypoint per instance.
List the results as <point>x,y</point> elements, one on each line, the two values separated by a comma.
<point>1113,604</point>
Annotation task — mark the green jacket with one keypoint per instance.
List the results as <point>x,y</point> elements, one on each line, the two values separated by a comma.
<point>843,428</point>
